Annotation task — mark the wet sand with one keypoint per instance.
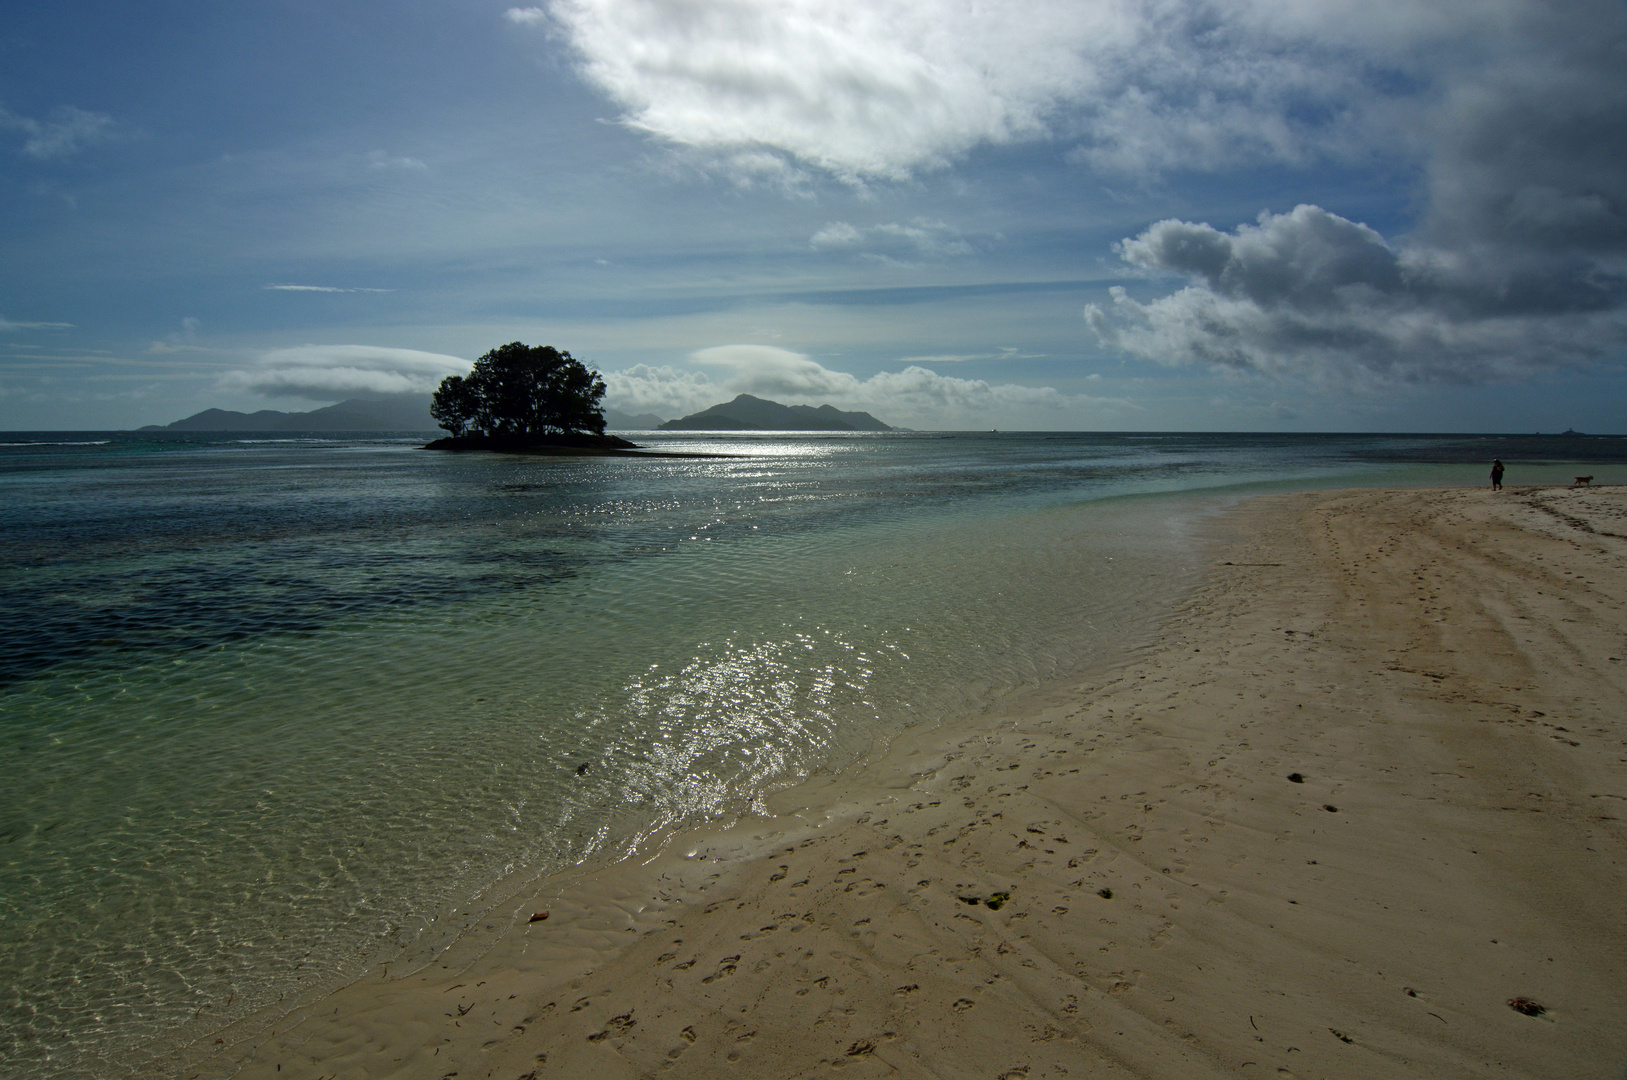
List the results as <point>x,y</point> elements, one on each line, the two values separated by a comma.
<point>1365,788</point>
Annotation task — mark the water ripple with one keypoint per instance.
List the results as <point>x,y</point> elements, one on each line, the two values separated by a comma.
<point>268,713</point>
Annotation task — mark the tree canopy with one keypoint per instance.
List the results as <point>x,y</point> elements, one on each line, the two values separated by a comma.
<point>521,391</point>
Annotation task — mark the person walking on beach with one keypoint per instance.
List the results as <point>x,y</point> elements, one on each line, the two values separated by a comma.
<point>1496,474</point>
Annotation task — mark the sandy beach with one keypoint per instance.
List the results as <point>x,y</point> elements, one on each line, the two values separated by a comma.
<point>1364,788</point>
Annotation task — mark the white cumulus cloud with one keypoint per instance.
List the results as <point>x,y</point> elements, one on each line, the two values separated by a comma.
<point>664,390</point>
<point>1310,292</point>
<point>863,89</point>
<point>331,372</point>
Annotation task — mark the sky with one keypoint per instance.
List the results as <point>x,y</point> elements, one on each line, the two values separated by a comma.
<point>1262,215</point>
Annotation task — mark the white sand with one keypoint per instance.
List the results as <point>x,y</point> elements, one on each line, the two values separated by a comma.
<point>1447,670</point>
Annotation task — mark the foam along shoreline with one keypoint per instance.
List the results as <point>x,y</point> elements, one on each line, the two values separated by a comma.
<point>1445,674</point>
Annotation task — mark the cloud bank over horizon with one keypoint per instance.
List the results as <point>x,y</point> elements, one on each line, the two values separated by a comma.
<point>331,372</point>
<point>913,397</point>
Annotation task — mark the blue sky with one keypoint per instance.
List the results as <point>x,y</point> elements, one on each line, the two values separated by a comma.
<point>1262,215</point>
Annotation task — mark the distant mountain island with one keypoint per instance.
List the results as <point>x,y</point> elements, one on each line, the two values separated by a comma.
<point>399,412</point>
<point>747,413</point>
<point>410,412</point>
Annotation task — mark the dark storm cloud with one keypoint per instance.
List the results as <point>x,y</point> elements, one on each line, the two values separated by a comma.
<point>1517,265</point>
<point>1532,150</point>
<point>1309,292</point>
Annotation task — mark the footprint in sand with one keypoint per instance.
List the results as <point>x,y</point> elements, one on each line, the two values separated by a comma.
<point>617,1025</point>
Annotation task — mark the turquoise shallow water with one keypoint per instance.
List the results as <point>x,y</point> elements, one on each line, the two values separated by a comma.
<point>269,710</point>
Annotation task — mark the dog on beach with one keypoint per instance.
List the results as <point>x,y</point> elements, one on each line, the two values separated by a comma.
<point>1580,480</point>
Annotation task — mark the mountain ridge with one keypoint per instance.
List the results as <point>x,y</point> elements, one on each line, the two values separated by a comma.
<point>410,412</point>
<point>747,413</point>
<point>403,412</point>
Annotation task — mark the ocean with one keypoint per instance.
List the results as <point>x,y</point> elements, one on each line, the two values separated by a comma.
<point>276,709</point>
